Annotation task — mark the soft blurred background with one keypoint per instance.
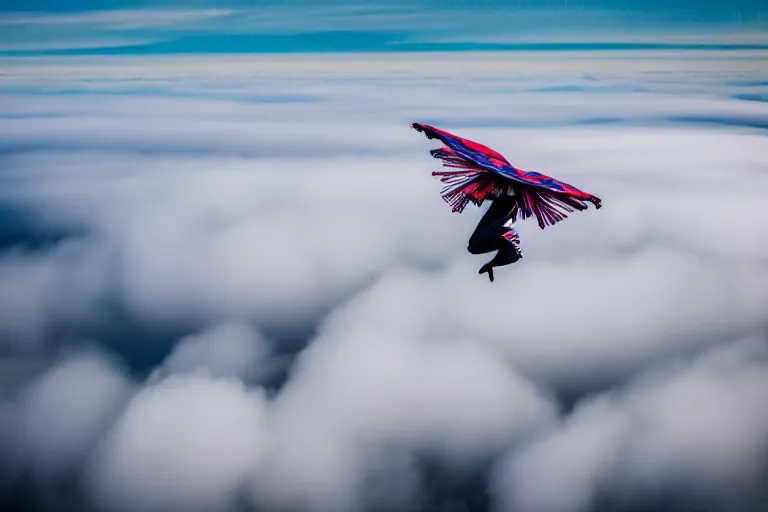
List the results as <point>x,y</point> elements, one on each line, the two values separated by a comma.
<point>228,281</point>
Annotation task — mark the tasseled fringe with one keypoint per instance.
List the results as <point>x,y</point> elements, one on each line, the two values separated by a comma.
<point>468,184</point>
<point>512,236</point>
<point>464,187</point>
<point>549,208</point>
<point>451,159</point>
<point>471,183</point>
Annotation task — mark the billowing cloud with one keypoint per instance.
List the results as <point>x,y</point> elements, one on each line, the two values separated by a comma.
<point>687,434</point>
<point>182,444</point>
<point>34,284</point>
<point>300,325</point>
<point>443,397</point>
<point>228,350</point>
<point>59,417</point>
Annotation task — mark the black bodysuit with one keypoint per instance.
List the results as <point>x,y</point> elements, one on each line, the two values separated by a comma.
<point>489,235</point>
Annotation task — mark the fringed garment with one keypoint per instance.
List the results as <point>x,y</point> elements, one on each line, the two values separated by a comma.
<point>481,173</point>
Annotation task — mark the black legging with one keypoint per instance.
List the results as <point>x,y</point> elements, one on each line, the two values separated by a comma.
<point>488,235</point>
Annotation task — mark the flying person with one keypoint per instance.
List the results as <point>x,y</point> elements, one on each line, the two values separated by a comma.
<point>495,232</point>
<point>481,174</point>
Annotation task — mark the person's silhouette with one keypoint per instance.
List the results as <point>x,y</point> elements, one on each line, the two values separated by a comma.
<point>494,233</point>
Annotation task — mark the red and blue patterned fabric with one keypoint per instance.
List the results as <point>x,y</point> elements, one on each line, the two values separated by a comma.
<point>482,173</point>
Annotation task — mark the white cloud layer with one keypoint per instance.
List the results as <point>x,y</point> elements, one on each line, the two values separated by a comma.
<point>197,221</point>
<point>182,444</point>
<point>228,350</point>
<point>58,417</point>
<point>695,434</point>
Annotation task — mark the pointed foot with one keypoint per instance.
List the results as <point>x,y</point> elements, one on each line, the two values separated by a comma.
<point>487,268</point>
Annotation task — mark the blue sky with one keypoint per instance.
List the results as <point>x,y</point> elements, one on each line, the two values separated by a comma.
<point>140,27</point>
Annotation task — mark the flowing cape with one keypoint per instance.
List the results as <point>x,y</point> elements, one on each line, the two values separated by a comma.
<point>480,173</point>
